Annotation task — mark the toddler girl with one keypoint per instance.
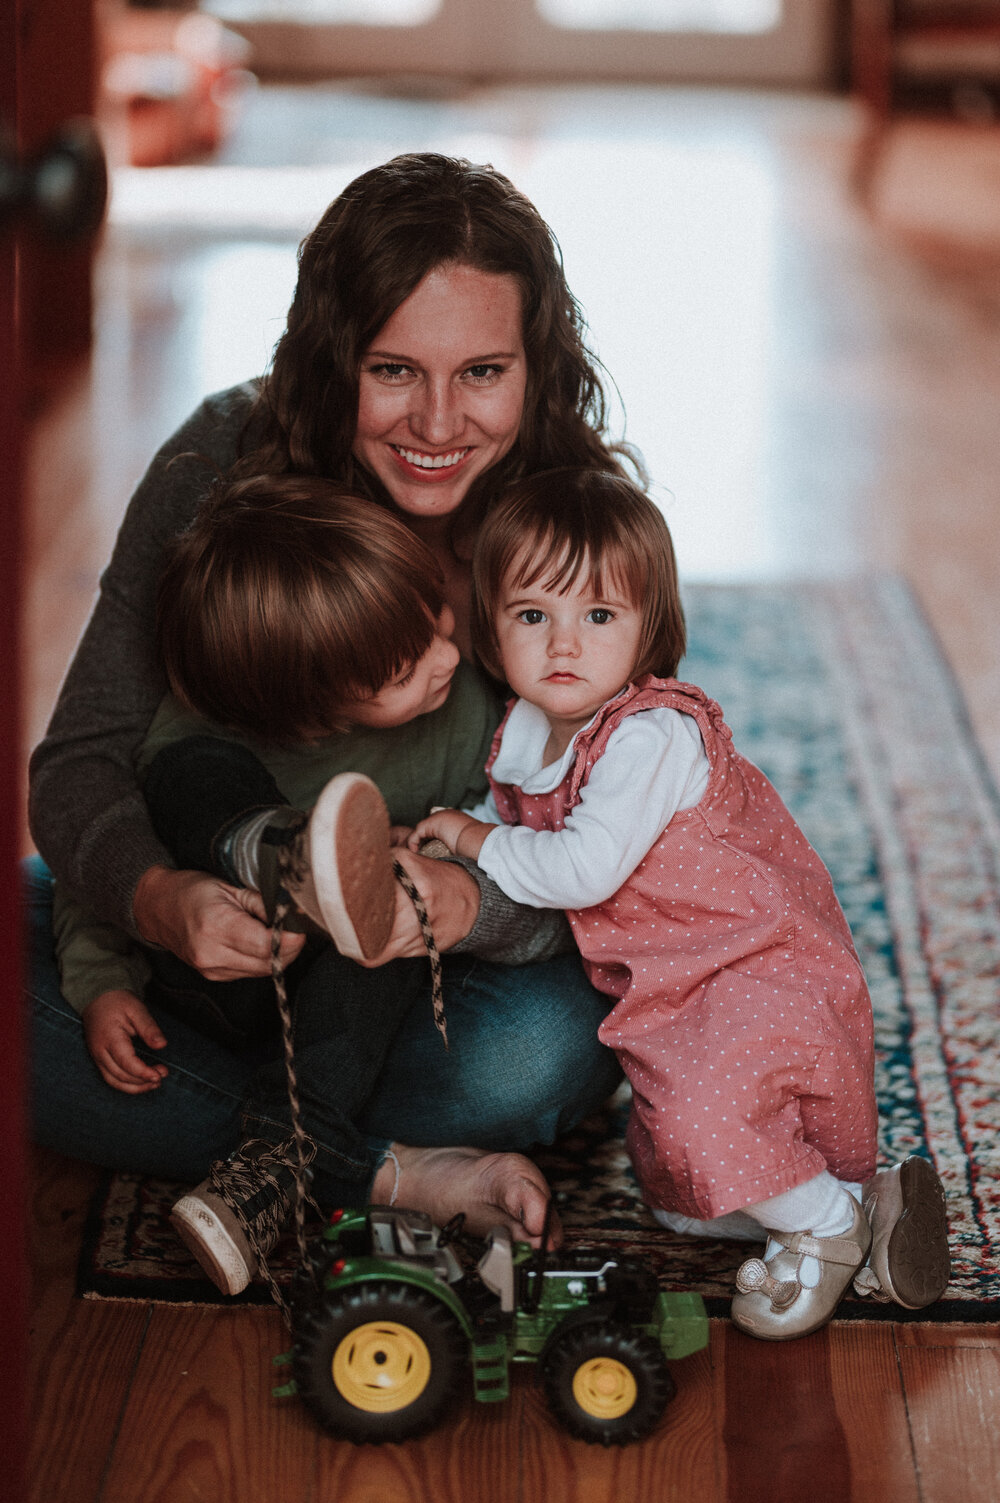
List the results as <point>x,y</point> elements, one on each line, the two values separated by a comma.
<point>741,1014</point>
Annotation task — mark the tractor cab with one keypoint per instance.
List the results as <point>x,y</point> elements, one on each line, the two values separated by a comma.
<point>411,1235</point>
<point>496,1267</point>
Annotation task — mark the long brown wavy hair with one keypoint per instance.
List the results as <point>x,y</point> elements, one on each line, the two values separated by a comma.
<point>373,246</point>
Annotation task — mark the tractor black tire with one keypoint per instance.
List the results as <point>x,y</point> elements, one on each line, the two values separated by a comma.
<point>605,1383</point>
<point>378,1361</point>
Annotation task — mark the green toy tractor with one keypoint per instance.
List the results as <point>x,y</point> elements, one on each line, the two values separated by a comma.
<point>394,1309</point>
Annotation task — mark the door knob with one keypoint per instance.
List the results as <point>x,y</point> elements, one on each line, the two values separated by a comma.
<point>63,188</point>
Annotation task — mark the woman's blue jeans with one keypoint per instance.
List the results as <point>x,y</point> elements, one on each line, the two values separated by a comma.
<point>524,1066</point>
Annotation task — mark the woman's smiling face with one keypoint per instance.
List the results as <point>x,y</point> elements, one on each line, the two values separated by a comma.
<point>441,388</point>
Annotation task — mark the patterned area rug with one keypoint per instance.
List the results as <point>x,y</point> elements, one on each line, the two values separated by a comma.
<point>839,693</point>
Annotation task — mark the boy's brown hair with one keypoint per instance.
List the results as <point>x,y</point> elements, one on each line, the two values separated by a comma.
<point>286,599</point>
<point>557,523</point>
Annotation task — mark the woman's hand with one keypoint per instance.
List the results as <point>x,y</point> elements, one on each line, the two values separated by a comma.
<point>110,1023</point>
<point>451,898</point>
<point>220,930</point>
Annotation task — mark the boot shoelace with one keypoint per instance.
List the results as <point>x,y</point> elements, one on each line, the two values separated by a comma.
<point>304,1147</point>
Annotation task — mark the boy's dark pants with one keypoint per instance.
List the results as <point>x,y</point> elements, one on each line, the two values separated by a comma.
<point>346,1015</point>
<point>194,790</point>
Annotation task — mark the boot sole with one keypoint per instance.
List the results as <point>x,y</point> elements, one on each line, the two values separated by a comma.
<point>917,1264</point>
<point>350,858</point>
<point>210,1244</point>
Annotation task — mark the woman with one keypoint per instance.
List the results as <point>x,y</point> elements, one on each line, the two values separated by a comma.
<point>433,352</point>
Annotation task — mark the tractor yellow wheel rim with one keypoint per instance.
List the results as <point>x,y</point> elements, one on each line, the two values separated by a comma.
<point>381,1367</point>
<point>604,1388</point>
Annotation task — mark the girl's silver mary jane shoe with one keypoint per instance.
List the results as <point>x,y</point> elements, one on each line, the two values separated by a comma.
<point>772,1304</point>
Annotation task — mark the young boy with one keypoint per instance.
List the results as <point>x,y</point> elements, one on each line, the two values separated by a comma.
<point>303,633</point>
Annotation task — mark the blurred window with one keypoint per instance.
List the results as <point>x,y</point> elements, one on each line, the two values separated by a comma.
<point>771,42</point>
<point>662,15</point>
<point>329,12</point>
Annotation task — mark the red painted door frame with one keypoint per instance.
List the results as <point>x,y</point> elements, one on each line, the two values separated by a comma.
<point>13,1257</point>
<point>47,75</point>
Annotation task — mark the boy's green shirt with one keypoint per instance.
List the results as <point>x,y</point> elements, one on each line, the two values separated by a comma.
<point>436,759</point>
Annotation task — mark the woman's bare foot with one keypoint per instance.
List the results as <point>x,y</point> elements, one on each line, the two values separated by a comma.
<point>491,1188</point>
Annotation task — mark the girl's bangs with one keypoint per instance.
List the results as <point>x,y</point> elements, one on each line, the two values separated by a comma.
<point>558,562</point>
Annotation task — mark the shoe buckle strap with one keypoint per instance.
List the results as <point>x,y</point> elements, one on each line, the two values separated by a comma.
<point>842,1250</point>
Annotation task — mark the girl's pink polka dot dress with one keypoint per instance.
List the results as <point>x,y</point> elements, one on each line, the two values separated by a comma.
<point>743,1019</point>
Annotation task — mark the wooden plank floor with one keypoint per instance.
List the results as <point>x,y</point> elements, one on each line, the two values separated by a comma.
<point>887,458</point>
<point>142,1403</point>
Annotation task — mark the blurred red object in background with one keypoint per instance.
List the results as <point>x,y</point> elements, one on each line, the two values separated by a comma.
<point>170,84</point>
